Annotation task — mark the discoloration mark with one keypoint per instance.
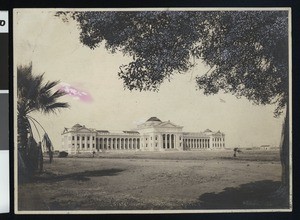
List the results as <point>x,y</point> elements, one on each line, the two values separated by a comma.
<point>76,93</point>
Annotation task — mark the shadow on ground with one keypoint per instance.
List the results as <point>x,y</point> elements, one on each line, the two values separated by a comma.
<point>255,195</point>
<point>50,177</point>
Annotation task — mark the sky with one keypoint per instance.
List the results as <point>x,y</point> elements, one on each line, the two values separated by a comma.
<point>53,47</point>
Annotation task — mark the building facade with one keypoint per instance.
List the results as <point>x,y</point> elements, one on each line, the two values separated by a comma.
<point>153,135</point>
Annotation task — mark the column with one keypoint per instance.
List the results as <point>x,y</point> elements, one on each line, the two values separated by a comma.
<point>79,142</point>
<point>131,143</point>
<point>160,141</point>
<point>175,141</point>
<point>75,142</point>
<point>93,143</point>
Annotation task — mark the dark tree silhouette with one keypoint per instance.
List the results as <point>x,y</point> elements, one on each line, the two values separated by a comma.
<point>33,95</point>
<point>246,52</point>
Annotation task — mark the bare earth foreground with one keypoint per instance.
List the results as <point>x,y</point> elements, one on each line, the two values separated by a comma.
<point>156,180</point>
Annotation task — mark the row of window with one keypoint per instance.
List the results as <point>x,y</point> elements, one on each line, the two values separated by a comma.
<point>108,146</point>
<point>219,145</point>
<point>201,140</point>
<point>82,138</point>
<point>83,145</point>
<point>156,137</point>
<point>218,139</point>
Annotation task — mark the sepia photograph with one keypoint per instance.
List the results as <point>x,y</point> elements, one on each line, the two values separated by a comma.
<point>152,110</point>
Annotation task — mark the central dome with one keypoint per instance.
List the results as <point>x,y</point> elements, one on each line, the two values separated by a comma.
<point>154,119</point>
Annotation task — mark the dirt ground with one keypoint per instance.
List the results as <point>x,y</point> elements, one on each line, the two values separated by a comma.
<point>156,180</point>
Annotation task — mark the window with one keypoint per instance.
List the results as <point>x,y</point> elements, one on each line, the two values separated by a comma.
<point>88,145</point>
<point>77,138</point>
<point>155,144</point>
<point>73,138</point>
<point>82,145</point>
<point>156,137</point>
<point>83,138</point>
<point>146,139</point>
<point>146,145</point>
<point>151,138</point>
<point>88,138</point>
<point>180,138</point>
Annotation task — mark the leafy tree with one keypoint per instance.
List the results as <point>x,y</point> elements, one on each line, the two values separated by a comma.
<point>246,51</point>
<point>33,95</point>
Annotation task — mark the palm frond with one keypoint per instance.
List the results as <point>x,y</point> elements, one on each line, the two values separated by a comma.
<point>34,95</point>
<point>47,142</point>
<point>49,85</point>
<point>55,106</point>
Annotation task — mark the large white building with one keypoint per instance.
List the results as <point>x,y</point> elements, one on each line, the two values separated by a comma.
<point>153,135</point>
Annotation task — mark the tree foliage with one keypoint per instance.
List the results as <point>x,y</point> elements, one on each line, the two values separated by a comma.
<point>248,54</point>
<point>246,51</point>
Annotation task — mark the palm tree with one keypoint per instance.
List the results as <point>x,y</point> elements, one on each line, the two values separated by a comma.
<point>34,95</point>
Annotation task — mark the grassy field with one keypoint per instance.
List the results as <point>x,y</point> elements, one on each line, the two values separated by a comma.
<point>156,180</point>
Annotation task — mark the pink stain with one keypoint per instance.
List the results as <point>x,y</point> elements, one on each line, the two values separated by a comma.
<point>76,93</point>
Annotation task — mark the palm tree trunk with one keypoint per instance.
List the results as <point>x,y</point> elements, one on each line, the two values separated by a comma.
<point>22,132</point>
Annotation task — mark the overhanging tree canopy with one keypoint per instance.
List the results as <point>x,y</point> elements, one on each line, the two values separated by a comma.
<point>247,51</point>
